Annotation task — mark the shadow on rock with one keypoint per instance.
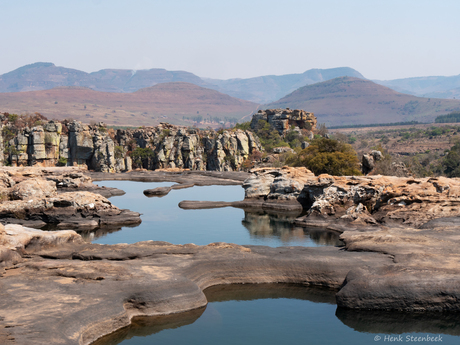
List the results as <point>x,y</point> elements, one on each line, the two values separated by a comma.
<point>249,292</point>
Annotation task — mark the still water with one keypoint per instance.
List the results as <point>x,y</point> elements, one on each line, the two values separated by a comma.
<point>275,314</point>
<point>163,220</point>
<point>265,314</point>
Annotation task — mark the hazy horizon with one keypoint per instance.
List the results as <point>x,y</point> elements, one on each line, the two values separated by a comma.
<point>237,39</point>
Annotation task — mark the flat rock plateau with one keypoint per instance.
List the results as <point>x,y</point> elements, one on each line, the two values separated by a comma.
<point>401,253</point>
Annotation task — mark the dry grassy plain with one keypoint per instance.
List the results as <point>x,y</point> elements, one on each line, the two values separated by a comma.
<point>168,102</point>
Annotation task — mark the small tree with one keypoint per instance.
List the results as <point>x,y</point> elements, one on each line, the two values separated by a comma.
<point>328,156</point>
<point>140,155</point>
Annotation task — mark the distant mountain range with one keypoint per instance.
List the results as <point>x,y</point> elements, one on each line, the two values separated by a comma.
<point>45,75</point>
<point>264,89</point>
<point>440,87</point>
<point>166,102</point>
<point>347,101</point>
<point>337,96</point>
<point>272,87</point>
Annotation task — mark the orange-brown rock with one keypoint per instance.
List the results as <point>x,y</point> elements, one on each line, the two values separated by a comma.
<point>33,200</point>
<point>370,199</point>
<point>55,288</point>
<point>33,188</point>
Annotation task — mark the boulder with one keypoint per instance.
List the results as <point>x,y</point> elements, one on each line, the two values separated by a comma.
<point>160,191</point>
<point>283,149</point>
<point>304,144</point>
<point>34,188</point>
<point>284,183</point>
<point>368,161</point>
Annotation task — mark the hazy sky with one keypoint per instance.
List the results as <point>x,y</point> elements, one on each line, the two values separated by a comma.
<point>385,39</point>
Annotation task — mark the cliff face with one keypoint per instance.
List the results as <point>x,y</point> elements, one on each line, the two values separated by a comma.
<point>164,146</point>
<point>191,148</point>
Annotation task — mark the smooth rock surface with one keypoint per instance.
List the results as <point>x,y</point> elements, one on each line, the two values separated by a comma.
<point>77,292</point>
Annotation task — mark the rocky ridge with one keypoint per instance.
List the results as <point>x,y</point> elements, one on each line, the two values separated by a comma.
<point>94,146</point>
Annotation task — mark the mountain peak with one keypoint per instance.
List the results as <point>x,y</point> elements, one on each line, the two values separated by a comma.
<point>350,100</point>
<point>38,65</point>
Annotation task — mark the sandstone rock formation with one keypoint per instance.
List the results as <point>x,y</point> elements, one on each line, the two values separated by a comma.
<point>398,255</point>
<point>283,119</point>
<point>103,150</point>
<point>274,183</point>
<point>266,189</point>
<point>40,196</point>
<point>191,148</point>
<point>368,200</point>
<point>76,292</point>
<point>397,269</point>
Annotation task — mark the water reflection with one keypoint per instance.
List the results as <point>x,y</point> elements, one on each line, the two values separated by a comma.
<point>149,326</point>
<point>163,220</point>
<point>93,234</point>
<point>261,226</point>
<point>145,326</point>
<point>267,225</point>
<point>277,313</point>
<point>388,322</point>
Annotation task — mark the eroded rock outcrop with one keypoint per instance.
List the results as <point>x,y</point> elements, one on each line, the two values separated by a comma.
<point>100,149</point>
<point>367,200</point>
<point>368,161</point>
<point>283,119</point>
<point>63,197</point>
<point>409,266</point>
<point>191,148</point>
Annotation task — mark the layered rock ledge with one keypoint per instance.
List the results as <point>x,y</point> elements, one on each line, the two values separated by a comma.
<point>65,198</point>
<point>370,200</point>
<point>401,253</point>
<point>63,290</point>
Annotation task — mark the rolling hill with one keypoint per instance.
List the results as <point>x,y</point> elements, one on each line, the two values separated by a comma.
<point>348,100</point>
<point>268,88</point>
<point>440,87</point>
<point>46,75</point>
<point>168,102</point>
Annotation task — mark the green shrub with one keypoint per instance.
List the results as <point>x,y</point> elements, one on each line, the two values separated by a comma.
<point>245,126</point>
<point>140,155</point>
<point>451,162</point>
<point>119,152</point>
<point>62,162</point>
<point>328,156</point>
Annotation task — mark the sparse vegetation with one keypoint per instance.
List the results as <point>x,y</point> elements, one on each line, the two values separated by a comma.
<point>270,138</point>
<point>328,156</point>
<point>62,162</point>
<point>119,152</point>
<point>378,125</point>
<point>141,156</point>
<point>449,118</point>
<point>422,149</point>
